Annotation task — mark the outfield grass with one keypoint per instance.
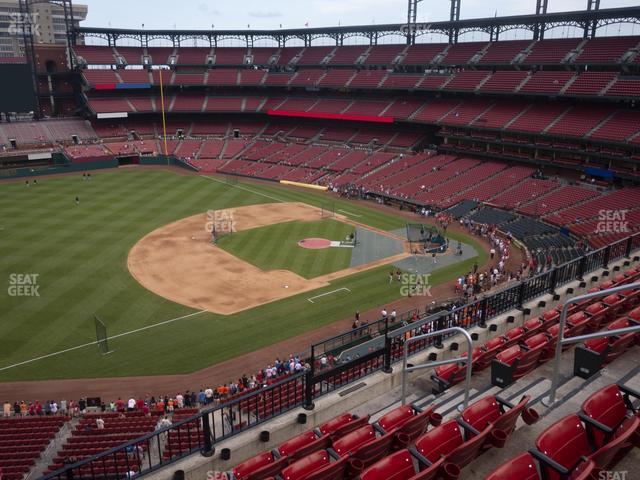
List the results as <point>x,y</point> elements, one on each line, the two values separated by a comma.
<point>275,247</point>
<point>79,253</point>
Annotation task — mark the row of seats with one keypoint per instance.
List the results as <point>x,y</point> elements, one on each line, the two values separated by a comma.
<point>561,83</point>
<point>559,118</point>
<point>521,349</point>
<point>605,50</point>
<point>22,442</point>
<point>582,445</point>
<point>406,442</point>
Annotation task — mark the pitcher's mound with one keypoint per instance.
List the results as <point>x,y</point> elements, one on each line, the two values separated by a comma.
<point>314,243</point>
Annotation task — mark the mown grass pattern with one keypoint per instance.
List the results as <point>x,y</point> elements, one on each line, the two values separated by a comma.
<point>80,252</point>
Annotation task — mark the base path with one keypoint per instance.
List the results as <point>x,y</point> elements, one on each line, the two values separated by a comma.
<point>179,262</point>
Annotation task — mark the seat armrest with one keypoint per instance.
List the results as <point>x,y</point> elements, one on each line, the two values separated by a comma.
<point>378,428</point>
<point>629,391</point>
<point>333,454</point>
<point>595,423</point>
<point>422,459</point>
<point>467,426</point>
<point>542,458</point>
<point>504,402</point>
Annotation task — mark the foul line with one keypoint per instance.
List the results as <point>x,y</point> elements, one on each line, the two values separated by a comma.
<point>96,342</point>
<point>244,188</point>
<point>328,293</point>
<point>349,213</point>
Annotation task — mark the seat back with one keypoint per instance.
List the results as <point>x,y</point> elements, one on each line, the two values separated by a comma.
<point>416,425</point>
<point>565,442</point>
<point>332,425</point>
<point>510,355</point>
<point>269,470</point>
<point>242,470</point>
<point>605,406</point>
<point>354,440</point>
<point>507,421</point>
<point>491,348</point>
<point>350,427</point>
<point>464,454</point>
<point>396,418</point>
<point>305,466</point>
<point>513,336</point>
<point>397,466</point>
<point>294,444</point>
<point>318,444</point>
<point>334,471</point>
<point>372,451</point>
<point>441,440</point>
<point>521,467</point>
<point>480,413</point>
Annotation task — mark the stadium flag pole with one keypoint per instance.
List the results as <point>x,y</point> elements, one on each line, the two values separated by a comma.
<point>164,122</point>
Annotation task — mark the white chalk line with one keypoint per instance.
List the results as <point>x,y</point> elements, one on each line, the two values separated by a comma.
<point>245,189</point>
<point>350,213</point>
<point>328,293</point>
<point>77,347</point>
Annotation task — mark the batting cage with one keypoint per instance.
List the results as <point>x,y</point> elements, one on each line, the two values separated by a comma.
<point>425,239</point>
<point>101,335</point>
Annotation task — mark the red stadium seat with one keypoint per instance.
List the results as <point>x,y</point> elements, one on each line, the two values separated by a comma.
<point>518,360</point>
<point>407,424</point>
<point>563,445</point>
<point>400,466</point>
<point>612,412</point>
<point>448,441</point>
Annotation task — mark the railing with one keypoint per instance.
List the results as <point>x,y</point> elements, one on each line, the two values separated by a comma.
<point>201,432</point>
<point>562,341</point>
<point>198,433</point>
<point>406,368</point>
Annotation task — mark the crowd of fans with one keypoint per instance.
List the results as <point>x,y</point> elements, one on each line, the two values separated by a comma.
<point>164,404</point>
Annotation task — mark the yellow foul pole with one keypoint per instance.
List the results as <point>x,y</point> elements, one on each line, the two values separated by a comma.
<point>164,122</point>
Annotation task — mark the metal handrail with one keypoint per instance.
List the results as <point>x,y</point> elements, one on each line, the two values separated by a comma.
<point>469,366</point>
<point>551,399</point>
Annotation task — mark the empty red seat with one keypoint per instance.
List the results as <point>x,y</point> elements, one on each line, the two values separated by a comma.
<point>259,467</point>
<point>520,467</point>
<point>407,424</point>
<point>342,425</point>
<point>523,467</point>
<point>533,326</point>
<point>451,374</point>
<point>304,467</point>
<point>448,441</point>
<point>363,445</point>
<point>489,351</point>
<point>513,336</point>
<point>518,360</point>
<point>597,313</point>
<point>400,466</point>
<point>563,445</point>
<point>608,408</point>
<point>499,414</point>
<point>303,444</point>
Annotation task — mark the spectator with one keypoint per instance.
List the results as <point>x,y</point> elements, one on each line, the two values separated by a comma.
<point>131,404</point>
<point>6,409</point>
<point>100,423</point>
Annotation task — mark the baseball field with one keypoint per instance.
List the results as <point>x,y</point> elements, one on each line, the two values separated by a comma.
<point>63,262</point>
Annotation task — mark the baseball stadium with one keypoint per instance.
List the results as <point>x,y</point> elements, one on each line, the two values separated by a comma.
<point>357,251</point>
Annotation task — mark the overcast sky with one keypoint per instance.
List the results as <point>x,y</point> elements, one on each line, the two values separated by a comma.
<point>270,14</point>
